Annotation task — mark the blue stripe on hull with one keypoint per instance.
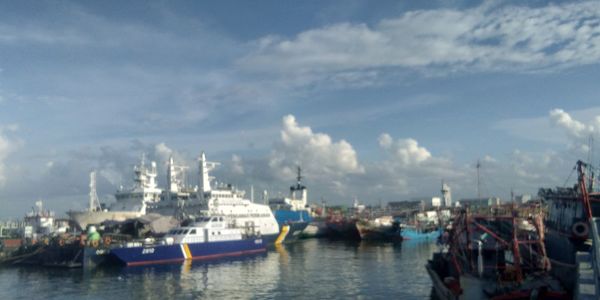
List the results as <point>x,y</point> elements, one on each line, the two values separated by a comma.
<point>157,254</point>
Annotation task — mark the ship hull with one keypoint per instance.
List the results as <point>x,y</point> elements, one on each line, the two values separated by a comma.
<point>345,229</point>
<point>85,218</point>
<point>561,252</point>
<point>296,220</point>
<point>409,233</point>
<point>316,229</point>
<point>378,233</point>
<point>160,254</point>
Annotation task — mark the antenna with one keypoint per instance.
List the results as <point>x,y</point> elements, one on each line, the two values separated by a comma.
<point>299,178</point>
<point>591,162</point>
<point>590,147</point>
<point>478,184</point>
<point>94,202</point>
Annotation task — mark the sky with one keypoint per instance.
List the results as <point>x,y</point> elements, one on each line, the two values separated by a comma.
<point>375,101</point>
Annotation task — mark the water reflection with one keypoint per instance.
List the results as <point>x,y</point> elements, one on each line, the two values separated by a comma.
<point>308,269</point>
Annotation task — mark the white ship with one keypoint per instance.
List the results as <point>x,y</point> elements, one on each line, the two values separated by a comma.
<point>181,201</point>
<point>130,203</point>
<point>178,199</point>
<point>222,200</point>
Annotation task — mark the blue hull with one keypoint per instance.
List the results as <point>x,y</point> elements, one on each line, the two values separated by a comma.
<point>296,220</point>
<point>415,234</point>
<point>270,239</point>
<point>156,254</point>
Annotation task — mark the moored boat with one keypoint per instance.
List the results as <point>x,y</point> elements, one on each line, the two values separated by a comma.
<point>569,223</point>
<point>292,211</point>
<point>317,228</point>
<point>130,203</point>
<point>411,232</point>
<point>342,227</point>
<point>382,228</point>
<point>490,255</point>
<point>209,238</point>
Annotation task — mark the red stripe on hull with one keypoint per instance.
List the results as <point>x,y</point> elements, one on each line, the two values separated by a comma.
<point>214,256</point>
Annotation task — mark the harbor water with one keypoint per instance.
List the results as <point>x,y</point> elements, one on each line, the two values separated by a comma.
<point>307,269</point>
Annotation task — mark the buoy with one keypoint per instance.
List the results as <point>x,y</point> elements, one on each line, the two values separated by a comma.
<point>581,230</point>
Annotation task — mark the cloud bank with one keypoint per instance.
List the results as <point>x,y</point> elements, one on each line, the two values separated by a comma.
<point>8,145</point>
<point>508,38</point>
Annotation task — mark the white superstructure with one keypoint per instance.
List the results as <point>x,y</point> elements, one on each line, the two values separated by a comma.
<point>182,201</point>
<point>225,200</point>
<point>38,221</point>
<point>297,200</point>
<point>144,191</point>
<point>204,230</point>
<point>131,203</point>
<point>178,199</point>
<point>446,195</point>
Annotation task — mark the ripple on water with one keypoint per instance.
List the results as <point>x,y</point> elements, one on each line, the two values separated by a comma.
<point>309,269</point>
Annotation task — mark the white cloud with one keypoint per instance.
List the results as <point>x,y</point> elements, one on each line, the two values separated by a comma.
<point>237,166</point>
<point>406,151</point>
<point>7,146</point>
<point>385,141</point>
<point>163,151</point>
<point>516,38</point>
<point>574,128</point>
<point>578,132</point>
<point>316,153</point>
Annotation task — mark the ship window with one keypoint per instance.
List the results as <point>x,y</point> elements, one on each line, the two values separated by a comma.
<point>193,231</point>
<point>185,231</point>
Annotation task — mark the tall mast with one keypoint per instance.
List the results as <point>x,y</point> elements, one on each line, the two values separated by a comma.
<point>204,168</point>
<point>94,203</point>
<point>478,187</point>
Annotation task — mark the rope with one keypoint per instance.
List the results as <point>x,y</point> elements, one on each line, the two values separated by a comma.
<point>568,178</point>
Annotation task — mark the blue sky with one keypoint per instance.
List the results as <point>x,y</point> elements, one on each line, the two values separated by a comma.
<point>373,101</point>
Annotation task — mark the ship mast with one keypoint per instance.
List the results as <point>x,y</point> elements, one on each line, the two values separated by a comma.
<point>478,184</point>
<point>94,202</point>
<point>584,192</point>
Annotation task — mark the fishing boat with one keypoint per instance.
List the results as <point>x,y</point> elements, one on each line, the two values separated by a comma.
<point>208,238</point>
<point>424,225</point>
<point>570,222</point>
<point>492,256</point>
<point>383,228</point>
<point>412,232</point>
<point>315,229</point>
<point>342,227</point>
